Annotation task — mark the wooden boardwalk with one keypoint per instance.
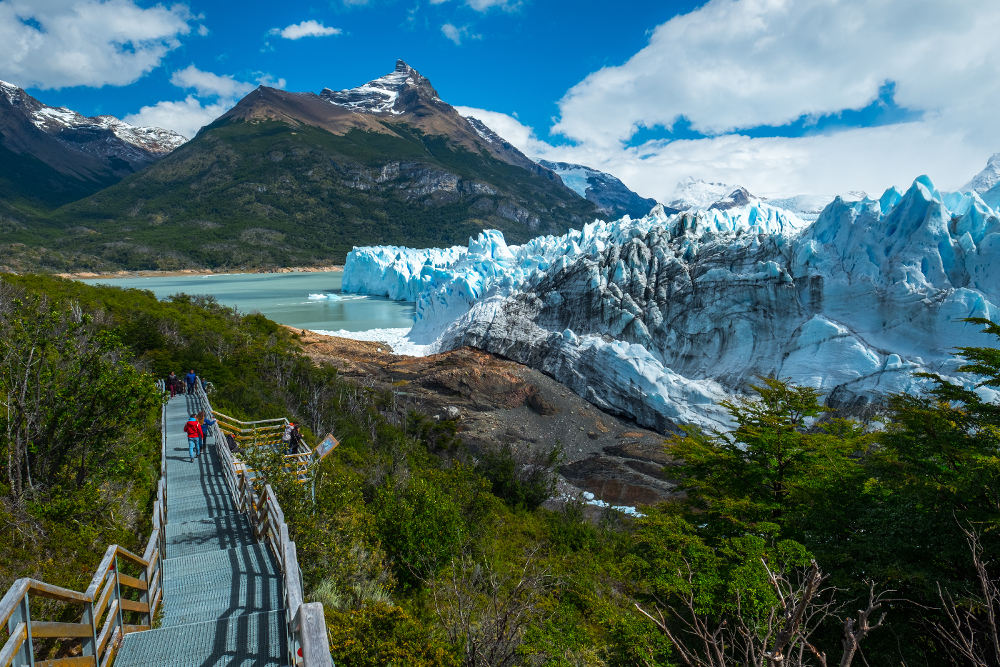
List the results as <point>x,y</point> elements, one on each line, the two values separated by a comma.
<point>222,589</point>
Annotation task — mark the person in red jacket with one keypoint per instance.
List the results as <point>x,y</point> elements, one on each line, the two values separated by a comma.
<point>194,434</point>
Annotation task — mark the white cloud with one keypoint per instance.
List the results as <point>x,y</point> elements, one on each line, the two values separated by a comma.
<point>458,34</point>
<point>869,159</point>
<point>744,63</point>
<point>185,116</point>
<point>61,43</point>
<point>737,64</point>
<point>511,129</point>
<point>310,28</point>
<point>485,5</point>
<point>189,115</point>
<point>207,84</point>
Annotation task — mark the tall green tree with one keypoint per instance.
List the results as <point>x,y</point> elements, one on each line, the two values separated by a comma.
<point>68,394</point>
<point>784,453</point>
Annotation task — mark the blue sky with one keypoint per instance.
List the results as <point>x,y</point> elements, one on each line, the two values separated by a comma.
<point>815,96</point>
<point>517,58</point>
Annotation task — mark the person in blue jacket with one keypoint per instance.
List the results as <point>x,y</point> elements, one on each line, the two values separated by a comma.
<point>191,378</point>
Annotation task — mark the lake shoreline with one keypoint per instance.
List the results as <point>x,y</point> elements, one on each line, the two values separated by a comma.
<point>153,273</point>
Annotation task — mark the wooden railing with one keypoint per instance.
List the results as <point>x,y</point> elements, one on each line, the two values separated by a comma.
<point>305,625</point>
<point>112,600</point>
<point>264,433</point>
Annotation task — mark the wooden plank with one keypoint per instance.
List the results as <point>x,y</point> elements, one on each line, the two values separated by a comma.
<point>135,628</point>
<point>310,626</point>
<point>102,572</point>
<point>67,662</point>
<point>109,626</point>
<point>12,598</point>
<point>154,538</point>
<point>13,643</point>
<point>56,592</point>
<point>155,604</point>
<point>102,602</point>
<point>132,605</point>
<point>109,657</point>
<point>138,560</point>
<point>50,629</point>
<point>154,564</point>
<point>131,582</point>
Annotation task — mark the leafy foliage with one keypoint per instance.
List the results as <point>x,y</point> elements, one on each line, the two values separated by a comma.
<point>421,558</point>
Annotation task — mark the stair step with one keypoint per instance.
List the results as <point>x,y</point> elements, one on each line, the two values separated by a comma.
<point>216,584</point>
<point>256,640</point>
<point>221,532</point>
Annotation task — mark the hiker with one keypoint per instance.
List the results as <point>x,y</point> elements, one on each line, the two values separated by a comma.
<point>194,434</point>
<point>294,440</point>
<point>191,379</point>
<point>172,384</point>
<point>286,437</point>
<point>206,428</point>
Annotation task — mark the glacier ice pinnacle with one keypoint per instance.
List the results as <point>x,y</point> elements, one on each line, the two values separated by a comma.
<point>660,317</point>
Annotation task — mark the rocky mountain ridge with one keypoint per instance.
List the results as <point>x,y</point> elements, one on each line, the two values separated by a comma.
<point>287,179</point>
<point>612,197</point>
<point>52,155</point>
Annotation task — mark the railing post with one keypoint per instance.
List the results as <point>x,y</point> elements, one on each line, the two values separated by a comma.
<point>118,597</point>
<point>25,656</point>
<point>90,643</point>
<point>145,596</point>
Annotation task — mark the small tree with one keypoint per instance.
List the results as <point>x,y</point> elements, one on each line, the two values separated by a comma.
<point>784,635</point>
<point>756,476</point>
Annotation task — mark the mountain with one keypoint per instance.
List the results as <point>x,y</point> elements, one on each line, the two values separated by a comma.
<point>52,155</point>
<point>698,194</point>
<point>609,194</point>
<point>288,178</point>
<point>683,310</point>
<point>987,178</point>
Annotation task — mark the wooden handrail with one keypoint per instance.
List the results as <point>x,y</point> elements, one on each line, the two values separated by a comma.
<point>305,626</point>
<point>101,625</point>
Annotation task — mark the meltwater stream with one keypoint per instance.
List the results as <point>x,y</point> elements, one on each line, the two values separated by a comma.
<point>305,300</point>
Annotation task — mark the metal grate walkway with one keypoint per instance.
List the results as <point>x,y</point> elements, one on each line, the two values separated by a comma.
<point>222,591</point>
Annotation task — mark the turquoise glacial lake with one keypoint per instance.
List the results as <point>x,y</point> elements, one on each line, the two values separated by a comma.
<point>303,300</point>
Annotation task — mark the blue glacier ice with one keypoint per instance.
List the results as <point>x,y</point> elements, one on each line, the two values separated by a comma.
<point>659,318</point>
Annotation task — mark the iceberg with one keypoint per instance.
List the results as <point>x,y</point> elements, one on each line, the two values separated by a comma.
<point>661,317</point>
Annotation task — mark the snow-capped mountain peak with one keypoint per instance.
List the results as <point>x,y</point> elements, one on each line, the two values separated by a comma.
<point>81,132</point>
<point>738,197</point>
<point>987,178</point>
<point>699,193</point>
<point>611,196</point>
<point>386,94</point>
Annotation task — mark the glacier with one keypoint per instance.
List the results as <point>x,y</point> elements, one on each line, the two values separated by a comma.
<point>661,317</point>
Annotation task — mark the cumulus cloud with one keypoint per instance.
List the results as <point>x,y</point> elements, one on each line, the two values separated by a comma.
<point>733,65</point>
<point>214,94</point>
<point>458,34</point>
<point>310,28</point>
<point>868,159</point>
<point>207,84</point>
<point>743,63</point>
<point>185,116</point>
<point>61,43</point>
<point>485,5</point>
<point>511,129</point>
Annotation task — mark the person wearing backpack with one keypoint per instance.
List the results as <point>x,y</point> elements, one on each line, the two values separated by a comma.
<point>206,427</point>
<point>295,440</point>
<point>194,434</point>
